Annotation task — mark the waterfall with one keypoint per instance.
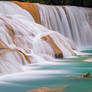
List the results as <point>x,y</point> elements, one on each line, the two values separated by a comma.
<point>23,41</point>
<point>72,22</point>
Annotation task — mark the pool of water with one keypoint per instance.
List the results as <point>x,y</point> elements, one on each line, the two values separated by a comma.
<point>63,72</point>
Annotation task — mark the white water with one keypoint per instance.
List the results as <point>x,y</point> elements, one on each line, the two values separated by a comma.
<point>73,22</point>
<point>7,8</point>
<point>22,38</point>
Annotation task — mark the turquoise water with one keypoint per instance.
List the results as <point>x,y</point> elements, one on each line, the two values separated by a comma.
<point>64,72</point>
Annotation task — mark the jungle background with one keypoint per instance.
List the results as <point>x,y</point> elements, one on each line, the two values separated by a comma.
<point>86,3</point>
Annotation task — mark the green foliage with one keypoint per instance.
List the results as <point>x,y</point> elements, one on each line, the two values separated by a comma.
<point>88,3</point>
<point>45,1</point>
<point>35,1</point>
<point>63,2</point>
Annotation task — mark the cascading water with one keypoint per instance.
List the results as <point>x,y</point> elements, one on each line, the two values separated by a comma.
<point>73,22</point>
<point>28,50</point>
<point>7,8</point>
<point>27,42</point>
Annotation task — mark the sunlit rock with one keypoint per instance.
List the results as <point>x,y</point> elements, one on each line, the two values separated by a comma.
<point>31,8</point>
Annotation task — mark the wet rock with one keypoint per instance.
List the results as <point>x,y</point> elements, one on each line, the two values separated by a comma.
<point>87,75</point>
<point>59,56</point>
<point>59,89</point>
<point>56,49</point>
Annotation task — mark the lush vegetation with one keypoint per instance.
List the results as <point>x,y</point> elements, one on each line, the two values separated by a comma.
<point>62,2</point>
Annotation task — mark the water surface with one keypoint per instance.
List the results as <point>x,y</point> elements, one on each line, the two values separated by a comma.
<point>60,73</point>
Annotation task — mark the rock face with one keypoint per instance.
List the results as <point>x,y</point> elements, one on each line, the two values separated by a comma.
<point>60,89</point>
<point>31,8</point>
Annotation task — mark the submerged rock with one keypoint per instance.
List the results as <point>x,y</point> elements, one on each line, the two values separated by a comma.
<point>88,60</point>
<point>59,89</point>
